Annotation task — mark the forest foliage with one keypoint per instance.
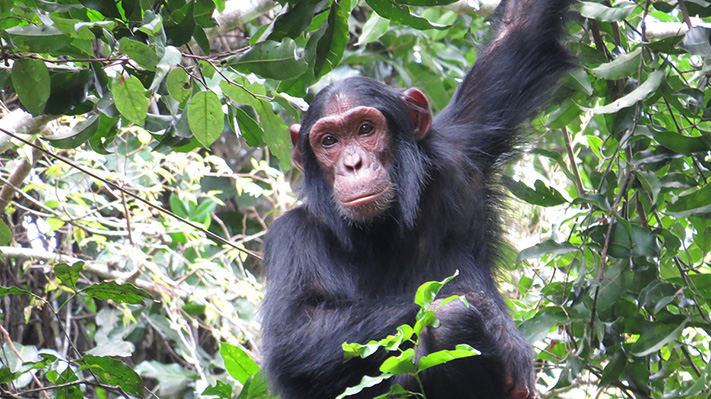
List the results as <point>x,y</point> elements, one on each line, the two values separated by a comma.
<point>142,159</point>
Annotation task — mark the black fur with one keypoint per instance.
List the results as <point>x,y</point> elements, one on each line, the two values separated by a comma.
<point>331,280</point>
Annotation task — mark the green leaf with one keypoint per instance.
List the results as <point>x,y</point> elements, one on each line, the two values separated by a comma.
<point>614,369</point>
<point>249,129</point>
<point>106,7</point>
<point>682,144</point>
<point>401,14</point>
<point>694,203</point>
<point>365,382</point>
<point>80,134</point>
<point>564,114</point>
<point>657,295</point>
<point>700,385</point>
<point>205,117</point>
<point>643,243</point>
<point>651,184</point>
<point>4,291</point>
<point>538,327</point>
<point>243,92</point>
<point>426,3</point>
<point>114,372</point>
<point>120,293</point>
<point>333,43</point>
<point>444,356</point>
<point>220,389</point>
<point>640,93</point>
<point>237,362</point>
<point>696,41</point>
<point>76,29</point>
<point>5,234</point>
<point>69,275</point>
<point>578,80</point>
<point>105,135</point>
<point>294,19</point>
<point>270,59</point>
<point>179,25</point>
<point>30,79</point>
<point>173,377</point>
<point>619,68</point>
<point>256,387</point>
<point>354,349</point>
<point>6,375</point>
<point>401,364</point>
<point>542,195</point>
<point>69,92</point>
<point>427,292</point>
<point>178,84</point>
<point>655,337</point>
<point>546,247</point>
<point>373,29</point>
<point>604,13</point>
<point>130,97</point>
<point>143,54</point>
<point>275,133</point>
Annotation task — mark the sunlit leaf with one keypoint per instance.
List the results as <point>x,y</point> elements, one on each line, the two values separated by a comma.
<point>120,293</point>
<point>177,83</point>
<point>68,274</point>
<point>366,382</point>
<point>270,59</point>
<point>604,13</point>
<point>655,337</point>
<point>619,68</point>
<point>141,53</point>
<point>427,292</point>
<point>80,134</point>
<point>114,372</point>
<point>544,248</point>
<point>5,233</point>
<point>205,117</point>
<point>238,363</point>
<point>640,93</point>
<point>333,42</point>
<point>294,19</point>
<point>444,356</point>
<point>374,27</point>
<point>696,41</point>
<point>401,14</point>
<point>130,97</point>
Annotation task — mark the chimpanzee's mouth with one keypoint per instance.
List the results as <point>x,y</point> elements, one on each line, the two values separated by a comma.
<point>367,198</point>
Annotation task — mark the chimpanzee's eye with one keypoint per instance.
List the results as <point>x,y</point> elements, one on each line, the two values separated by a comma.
<point>328,141</point>
<point>365,129</point>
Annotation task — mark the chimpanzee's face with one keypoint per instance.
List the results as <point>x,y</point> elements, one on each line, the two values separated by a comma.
<point>352,146</point>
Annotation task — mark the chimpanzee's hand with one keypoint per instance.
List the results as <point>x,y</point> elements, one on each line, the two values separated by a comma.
<point>517,357</point>
<point>488,328</point>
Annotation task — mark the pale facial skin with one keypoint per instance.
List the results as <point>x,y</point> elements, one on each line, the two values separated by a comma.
<point>352,146</point>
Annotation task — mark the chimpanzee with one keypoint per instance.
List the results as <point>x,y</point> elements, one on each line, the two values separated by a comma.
<point>395,198</point>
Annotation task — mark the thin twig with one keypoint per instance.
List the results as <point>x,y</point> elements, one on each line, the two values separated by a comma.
<point>115,186</point>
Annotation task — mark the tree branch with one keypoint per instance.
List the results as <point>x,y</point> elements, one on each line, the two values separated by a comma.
<point>97,269</point>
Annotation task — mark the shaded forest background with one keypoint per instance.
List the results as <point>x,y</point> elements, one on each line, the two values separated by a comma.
<point>144,152</point>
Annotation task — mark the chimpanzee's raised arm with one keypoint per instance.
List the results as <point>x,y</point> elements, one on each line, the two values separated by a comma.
<point>506,85</point>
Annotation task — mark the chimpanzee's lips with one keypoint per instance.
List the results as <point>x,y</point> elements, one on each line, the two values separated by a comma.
<point>365,199</point>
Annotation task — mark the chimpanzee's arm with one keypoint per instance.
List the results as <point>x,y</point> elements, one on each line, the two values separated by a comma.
<point>506,85</point>
<point>308,314</point>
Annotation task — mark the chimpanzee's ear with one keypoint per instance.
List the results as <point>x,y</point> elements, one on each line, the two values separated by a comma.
<point>296,154</point>
<point>419,111</point>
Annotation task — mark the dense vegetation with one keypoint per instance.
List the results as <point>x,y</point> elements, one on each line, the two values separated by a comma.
<point>144,152</point>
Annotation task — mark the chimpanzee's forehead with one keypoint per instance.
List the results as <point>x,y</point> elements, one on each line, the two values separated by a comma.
<point>339,103</point>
